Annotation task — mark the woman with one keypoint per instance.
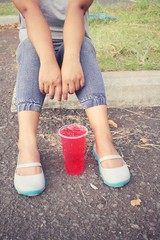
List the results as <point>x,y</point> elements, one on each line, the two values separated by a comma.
<point>57,57</point>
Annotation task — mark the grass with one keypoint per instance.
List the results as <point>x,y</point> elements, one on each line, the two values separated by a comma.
<point>7,9</point>
<point>132,43</point>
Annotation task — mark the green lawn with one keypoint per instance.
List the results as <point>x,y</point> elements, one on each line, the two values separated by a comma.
<point>132,43</point>
<point>7,9</point>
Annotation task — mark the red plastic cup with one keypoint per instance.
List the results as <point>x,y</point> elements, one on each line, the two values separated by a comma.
<point>73,142</point>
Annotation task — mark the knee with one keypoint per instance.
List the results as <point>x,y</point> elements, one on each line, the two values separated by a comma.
<point>87,46</point>
<point>26,52</point>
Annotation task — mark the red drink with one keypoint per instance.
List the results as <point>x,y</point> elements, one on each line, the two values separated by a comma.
<point>73,142</point>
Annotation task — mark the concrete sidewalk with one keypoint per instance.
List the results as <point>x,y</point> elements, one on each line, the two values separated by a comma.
<point>8,19</point>
<point>124,89</point>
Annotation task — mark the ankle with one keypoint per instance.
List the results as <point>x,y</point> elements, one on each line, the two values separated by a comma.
<point>103,140</point>
<point>28,153</point>
<point>100,134</point>
<point>105,147</point>
<point>27,138</point>
<point>27,142</point>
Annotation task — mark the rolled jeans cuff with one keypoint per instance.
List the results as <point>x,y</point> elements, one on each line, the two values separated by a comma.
<point>93,100</point>
<point>29,106</point>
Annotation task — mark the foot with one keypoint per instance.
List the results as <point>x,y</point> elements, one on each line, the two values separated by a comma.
<point>106,150</point>
<point>115,174</point>
<point>28,154</point>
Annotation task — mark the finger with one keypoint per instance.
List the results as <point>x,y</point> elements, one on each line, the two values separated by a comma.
<point>82,82</point>
<point>41,87</point>
<point>46,88</point>
<point>58,93</point>
<point>51,91</point>
<point>71,88</point>
<point>77,84</point>
<point>65,89</point>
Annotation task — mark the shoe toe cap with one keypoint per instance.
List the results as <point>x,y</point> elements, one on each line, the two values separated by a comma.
<point>117,176</point>
<point>29,183</point>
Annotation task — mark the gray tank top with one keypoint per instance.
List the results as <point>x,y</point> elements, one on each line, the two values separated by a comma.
<point>54,12</point>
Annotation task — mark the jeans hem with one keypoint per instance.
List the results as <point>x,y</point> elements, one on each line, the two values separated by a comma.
<point>93,101</point>
<point>29,106</point>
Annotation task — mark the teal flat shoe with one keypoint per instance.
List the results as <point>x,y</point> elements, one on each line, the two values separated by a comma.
<point>113,177</point>
<point>31,185</point>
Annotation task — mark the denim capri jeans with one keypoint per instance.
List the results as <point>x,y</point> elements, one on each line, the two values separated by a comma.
<point>28,95</point>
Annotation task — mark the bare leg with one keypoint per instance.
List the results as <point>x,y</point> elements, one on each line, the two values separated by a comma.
<point>27,143</point>
<point>99,122</point>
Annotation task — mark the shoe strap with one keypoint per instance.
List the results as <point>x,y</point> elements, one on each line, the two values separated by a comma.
<point>26,165</point>
<point>109,157</point>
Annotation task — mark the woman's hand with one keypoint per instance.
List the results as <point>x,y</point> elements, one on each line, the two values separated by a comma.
<point>72,75</point>
<point>50,79</point>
